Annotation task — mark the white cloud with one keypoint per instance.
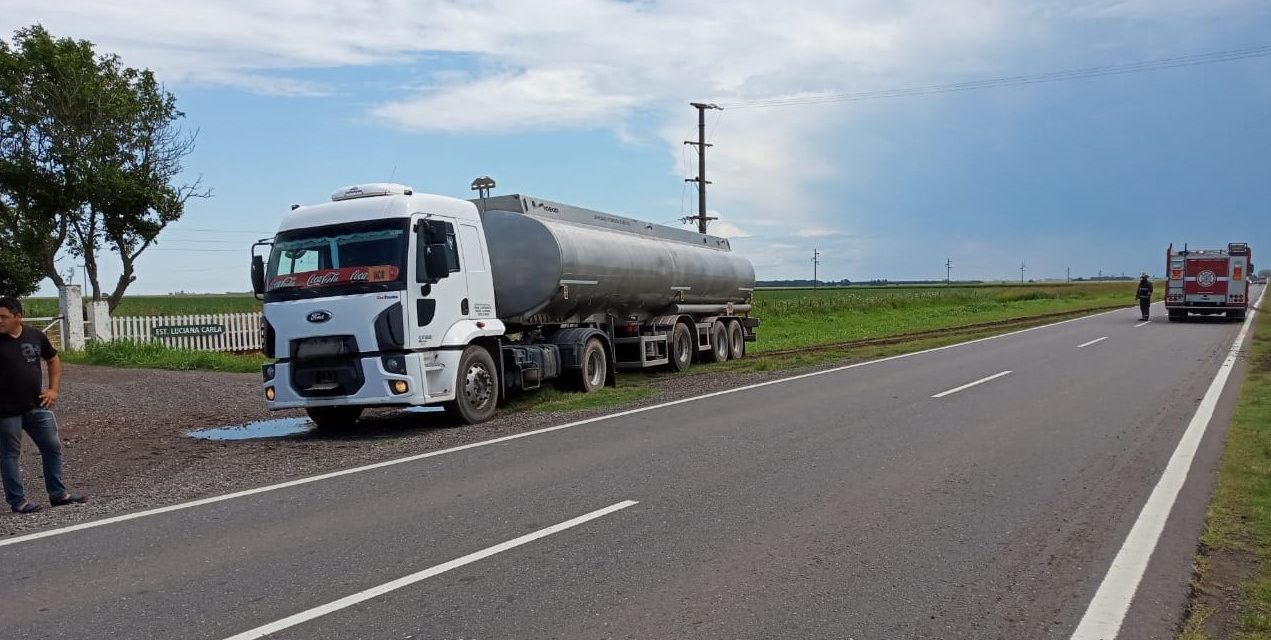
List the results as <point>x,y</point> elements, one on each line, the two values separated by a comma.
<point>547,98</point>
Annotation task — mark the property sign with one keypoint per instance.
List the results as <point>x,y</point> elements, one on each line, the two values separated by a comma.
<point>186,330</point>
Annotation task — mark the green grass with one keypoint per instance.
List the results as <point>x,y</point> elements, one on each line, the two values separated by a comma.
<point>174,305</point>
<point>797,319</point>
<point>1239,519</point>
<point>154,355</point>
<point>632,387</point>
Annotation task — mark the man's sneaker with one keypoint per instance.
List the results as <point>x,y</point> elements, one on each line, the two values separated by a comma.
<point>26,507</point>
<point>68,499</point>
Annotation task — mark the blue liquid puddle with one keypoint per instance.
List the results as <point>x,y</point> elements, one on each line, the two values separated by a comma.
<point>277,428</point>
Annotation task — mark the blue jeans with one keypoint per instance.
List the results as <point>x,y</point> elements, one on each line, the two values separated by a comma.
<point>42,427</point>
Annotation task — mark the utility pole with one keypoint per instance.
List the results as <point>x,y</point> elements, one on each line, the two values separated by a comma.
<point>1069,272</point>
<point>948,269</point>
<point>701,180</point>
<point>1021,273</point>
<point>816,260</point>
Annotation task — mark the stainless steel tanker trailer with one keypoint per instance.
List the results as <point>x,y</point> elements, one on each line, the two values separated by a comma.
<point>384,297</point>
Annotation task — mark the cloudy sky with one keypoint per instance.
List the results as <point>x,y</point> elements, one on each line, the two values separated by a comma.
<point>586,102</point>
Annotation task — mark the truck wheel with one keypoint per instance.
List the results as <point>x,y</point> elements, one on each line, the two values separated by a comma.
<point>736,340</point>
<point>1177,316</point>
<point>595,366</point>
<point>1235,315</point>
<point>719,342</point>
<point>477,388</point>
<point>682,347</point>
<point>333,419</point>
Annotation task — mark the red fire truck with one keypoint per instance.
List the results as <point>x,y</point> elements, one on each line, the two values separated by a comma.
<point>1208,281</point>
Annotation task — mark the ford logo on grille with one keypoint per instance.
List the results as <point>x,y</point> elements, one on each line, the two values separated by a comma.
<point>318,316</point>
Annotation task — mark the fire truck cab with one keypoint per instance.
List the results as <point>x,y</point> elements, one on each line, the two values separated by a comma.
<point>1208,281</point>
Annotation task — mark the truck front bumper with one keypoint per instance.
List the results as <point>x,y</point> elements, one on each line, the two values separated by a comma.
<point>380,382</point>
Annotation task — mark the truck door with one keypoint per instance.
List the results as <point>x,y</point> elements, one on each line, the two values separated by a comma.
<point>476,267</point>
<point>439,295</point>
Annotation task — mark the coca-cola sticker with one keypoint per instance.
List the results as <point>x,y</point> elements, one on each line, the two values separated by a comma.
<point>327,277</point>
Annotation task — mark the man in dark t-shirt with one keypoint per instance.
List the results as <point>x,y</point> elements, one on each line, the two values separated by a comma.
<point>24,406</point>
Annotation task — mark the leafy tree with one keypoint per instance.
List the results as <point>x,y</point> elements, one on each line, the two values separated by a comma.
<point>90,156</point>
<point>18,276</point>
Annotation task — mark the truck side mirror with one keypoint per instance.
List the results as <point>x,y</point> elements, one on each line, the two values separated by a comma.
<point>258,275</point>
<point>430,252</point>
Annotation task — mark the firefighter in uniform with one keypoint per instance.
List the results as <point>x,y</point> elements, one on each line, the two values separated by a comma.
<point>1144,294</point>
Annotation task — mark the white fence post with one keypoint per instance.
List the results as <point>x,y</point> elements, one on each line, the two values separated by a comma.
<point>102,330</point>
<point>71,304</point>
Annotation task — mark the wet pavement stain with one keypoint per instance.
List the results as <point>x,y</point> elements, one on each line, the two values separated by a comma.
<point>279,428</point>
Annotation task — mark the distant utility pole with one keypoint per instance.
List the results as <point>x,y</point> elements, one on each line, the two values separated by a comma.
<point>1021,273</point>
<point>1069,272</point>
<point>701,180</point>
<point>948,270</point>
<point>816,260</point>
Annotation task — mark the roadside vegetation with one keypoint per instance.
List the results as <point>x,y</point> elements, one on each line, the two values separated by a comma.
<point>1231,597</point>
<point>174,305</point>
<point>154,355</point>
<point>804,318</point>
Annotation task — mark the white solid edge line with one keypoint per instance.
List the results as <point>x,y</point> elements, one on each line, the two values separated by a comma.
<point>1103,618</point>
<point>1095,341</point>
<point>441,452</point>
<point>971,384</point>
<point>1145,322</point>
<point>373,592</point>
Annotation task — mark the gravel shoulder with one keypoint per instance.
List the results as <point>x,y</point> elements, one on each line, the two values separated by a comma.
<point>125,443</point>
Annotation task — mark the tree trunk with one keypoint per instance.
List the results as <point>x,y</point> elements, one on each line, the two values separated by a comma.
<point>126,278</point>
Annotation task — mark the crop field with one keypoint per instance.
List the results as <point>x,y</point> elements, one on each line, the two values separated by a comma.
<point>173,305</point>
<point>803,318</point>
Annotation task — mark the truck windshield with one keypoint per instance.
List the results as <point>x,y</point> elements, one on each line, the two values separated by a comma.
<point>358,257</point>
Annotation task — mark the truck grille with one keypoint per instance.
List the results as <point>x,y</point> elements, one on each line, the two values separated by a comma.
<point>326,366</point>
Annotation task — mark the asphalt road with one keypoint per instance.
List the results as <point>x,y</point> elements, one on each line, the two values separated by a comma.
<point>851,504</point>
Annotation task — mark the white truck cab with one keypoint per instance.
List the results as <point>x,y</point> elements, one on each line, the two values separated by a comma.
<point>370,300</point>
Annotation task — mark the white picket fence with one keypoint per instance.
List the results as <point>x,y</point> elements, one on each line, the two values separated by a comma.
<point>202,332</point>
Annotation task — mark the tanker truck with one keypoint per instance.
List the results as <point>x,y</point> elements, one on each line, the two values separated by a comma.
<point>383,297</point>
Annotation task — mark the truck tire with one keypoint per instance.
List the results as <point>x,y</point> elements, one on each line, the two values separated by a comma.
<point>1177,316</point>
<point>1236,315</point>
<point>736,340</point>
<point>719,342</point>
<point>476,389</point>
<point>334,419</point>
<point>595,367</point>
<point>683,346</point>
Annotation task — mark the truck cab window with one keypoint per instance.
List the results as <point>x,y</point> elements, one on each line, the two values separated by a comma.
<point>299,261</point>
<point>452,248</point>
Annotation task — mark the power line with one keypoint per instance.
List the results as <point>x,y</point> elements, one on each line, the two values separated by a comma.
<point>1014,81</point>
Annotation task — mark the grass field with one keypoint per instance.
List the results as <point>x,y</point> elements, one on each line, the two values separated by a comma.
<point>185,304</point>
<point>802,318</point>
<point>1238,528</point>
